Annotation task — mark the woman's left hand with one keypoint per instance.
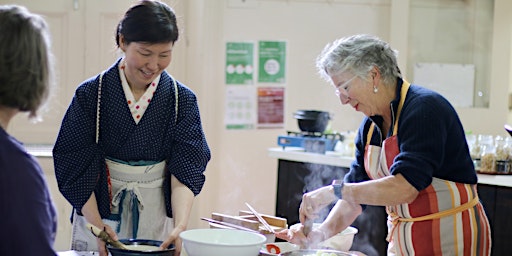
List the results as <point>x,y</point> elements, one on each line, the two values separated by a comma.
<point>295,235</point>
<point>174,237</point>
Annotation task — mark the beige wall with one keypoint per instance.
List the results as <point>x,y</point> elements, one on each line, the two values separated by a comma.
<point>240,170</point>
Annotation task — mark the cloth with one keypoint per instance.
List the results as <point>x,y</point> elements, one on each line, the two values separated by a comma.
<point>80,162</point>
<point>137,108</point>
<point>446,218</point>
<point>138,206</point>
<point>27,213</point>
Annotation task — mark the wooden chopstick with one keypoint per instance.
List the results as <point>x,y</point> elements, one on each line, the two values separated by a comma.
<point>231,225</point>
<point>261,219</point>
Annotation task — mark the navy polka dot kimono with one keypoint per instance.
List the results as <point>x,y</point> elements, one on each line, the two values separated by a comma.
<point>80,162</point>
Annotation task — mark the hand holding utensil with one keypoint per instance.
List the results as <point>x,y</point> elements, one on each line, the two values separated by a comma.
<point>105,237</point>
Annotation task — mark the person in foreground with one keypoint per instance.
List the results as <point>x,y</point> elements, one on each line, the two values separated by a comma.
<point>27,214</point>
<point>131,152</point>
<point>411,156</point>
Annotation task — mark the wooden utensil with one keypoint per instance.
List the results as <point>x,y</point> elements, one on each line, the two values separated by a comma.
<point>237,220</point>
<point>97,232</point>
<point>273,221</point>
<point>308,225</point>
<point>230,225</point>
<point>261,219</point>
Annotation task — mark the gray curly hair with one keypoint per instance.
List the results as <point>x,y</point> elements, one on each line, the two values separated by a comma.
<point>358,54</point>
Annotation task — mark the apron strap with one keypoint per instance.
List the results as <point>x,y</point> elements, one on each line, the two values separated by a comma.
<point>394,218</point>
<point>403,94</point>
<point>370,133</point>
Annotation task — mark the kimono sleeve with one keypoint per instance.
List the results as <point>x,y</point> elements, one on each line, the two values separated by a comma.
<point>78,161</point>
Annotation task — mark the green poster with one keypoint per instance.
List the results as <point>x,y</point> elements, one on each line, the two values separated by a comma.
<point>239,63</point>
<point>272,62</point>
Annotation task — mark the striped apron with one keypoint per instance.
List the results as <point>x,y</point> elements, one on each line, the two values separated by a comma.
<point>446,218</point>
<point>138,206</point>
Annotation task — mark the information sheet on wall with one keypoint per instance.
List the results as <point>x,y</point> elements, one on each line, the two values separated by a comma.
<point>270,107</point>
<point>272,62</point>
<point>239,62</point>
<point>250,105</point>
<point>240,107</point>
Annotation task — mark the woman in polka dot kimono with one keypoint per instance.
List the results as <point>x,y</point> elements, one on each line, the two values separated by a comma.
<point>131,151</point>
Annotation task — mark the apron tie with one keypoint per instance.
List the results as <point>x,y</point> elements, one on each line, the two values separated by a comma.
<point>136,203</point>
<point>394,218</point>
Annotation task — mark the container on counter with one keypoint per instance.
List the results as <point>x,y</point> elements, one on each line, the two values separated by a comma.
<point>487,154</point>
<point>474,150</point>
<point>503,152</point>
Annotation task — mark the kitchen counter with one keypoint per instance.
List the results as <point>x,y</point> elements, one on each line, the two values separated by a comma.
<point>333,159</point>
<point>39,150</point>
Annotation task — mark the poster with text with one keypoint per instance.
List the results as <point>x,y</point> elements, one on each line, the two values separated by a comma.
<point>240,107</point>
<point>272,61</point>
<point>239,63</point>
<point>270,107</point>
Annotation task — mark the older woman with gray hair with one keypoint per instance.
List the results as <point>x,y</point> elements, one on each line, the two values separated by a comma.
<point>425,179</point>
<point>28,217</point>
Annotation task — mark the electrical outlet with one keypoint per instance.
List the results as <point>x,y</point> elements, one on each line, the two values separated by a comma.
<point>242,3</point>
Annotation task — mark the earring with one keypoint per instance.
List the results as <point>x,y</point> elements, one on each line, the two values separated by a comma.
<point>375,89</point>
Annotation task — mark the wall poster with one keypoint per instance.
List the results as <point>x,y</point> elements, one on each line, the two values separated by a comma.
<point>240,107</point>
<point>239,63</point>
<point>272,61</point>
<point>271,107</point>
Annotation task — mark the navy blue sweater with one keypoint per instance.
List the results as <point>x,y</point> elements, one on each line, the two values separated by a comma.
<point>431,141</point>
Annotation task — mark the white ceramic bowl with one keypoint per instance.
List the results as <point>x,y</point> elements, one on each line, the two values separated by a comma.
<point>268,249</point>
<point>221,242</point>
<point>342,241</point>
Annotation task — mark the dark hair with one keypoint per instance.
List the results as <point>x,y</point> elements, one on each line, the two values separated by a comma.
<point>148,21</point>
<point>26,70</point>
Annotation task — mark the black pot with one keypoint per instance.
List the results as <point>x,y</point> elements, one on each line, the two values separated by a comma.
<point>312,120</point>
<point>120,252</point>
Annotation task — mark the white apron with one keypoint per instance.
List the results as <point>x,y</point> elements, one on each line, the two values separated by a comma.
<point>138,200</point>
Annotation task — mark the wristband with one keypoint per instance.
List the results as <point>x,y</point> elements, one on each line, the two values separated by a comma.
<point>337,185</point>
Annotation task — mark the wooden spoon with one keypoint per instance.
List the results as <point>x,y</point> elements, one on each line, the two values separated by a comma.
<point>97,232</point>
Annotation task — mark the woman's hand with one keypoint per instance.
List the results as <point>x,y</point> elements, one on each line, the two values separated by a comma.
<point>314,201</point>
<point>295,235</point>
<point>174,237</point>
<point>102,247</point>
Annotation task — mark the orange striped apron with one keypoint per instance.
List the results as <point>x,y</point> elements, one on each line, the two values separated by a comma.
<point>446,218</point>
